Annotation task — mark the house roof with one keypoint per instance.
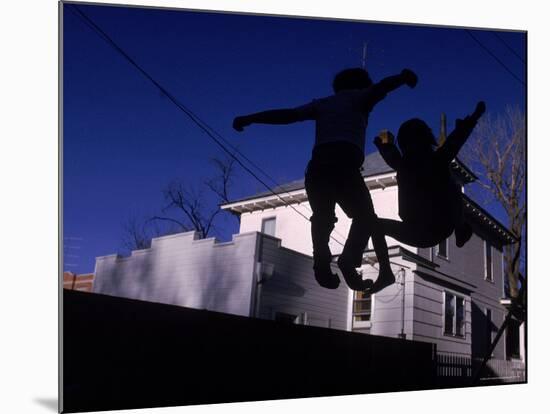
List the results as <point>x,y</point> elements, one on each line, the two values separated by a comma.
<point>374,164</point>
<point>478,213</point>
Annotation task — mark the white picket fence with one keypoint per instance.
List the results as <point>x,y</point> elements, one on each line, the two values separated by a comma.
<point>503,370</point>
<point>455,368</point>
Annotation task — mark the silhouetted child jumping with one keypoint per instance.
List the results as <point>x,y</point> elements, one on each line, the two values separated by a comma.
<point>430,201</point>
<point>334,173</point>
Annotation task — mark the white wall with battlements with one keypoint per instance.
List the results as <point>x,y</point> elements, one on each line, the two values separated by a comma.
<point>182,270</point>
<point>252,275</point>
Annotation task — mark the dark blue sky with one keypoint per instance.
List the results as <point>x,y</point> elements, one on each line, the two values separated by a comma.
<point>124,142</point>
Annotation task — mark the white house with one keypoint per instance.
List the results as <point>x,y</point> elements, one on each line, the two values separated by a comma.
<point>444,295</point>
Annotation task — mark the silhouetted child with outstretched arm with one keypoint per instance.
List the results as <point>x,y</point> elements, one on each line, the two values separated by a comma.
<point>334,173</point>
<point>430,201</point>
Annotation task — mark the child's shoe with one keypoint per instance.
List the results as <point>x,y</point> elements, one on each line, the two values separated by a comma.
<point>385,278</point>
<point>325,277</point>
<point>352,278</point>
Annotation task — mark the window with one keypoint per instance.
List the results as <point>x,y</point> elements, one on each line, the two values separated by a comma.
<point>489,328</point>
<point>488,261</point>
<point>454,315</point>
<point>459,319</point>
<point>442,249</point>
<point>449,313</point>
<point>362,305</point>
<point>504,278</point>
<point>512,339</point>
<point>268,226</point>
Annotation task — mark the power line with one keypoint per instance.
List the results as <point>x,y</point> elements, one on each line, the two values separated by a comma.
<point>201,124</point>
<point>508,46</point>
<point>494,56</point>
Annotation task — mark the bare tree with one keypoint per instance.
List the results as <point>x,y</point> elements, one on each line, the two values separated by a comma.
<point>137,233</point>
<point>496,153</point>
<point>186,207</point>
<point>221,183</point>
<point>189,203</point>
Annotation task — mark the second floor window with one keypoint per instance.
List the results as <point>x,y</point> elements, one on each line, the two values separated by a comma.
<point>442,249</point>
<point>268,226</point>
<point>488,261</point>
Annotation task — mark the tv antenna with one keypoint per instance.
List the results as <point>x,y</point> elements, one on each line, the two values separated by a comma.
<point>364,57</point>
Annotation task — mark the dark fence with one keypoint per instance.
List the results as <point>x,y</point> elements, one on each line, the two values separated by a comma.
<point>454,366</point>
<point>120,353</point>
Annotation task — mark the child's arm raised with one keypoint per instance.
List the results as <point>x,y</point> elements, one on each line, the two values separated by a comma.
<point>276,117</point>
<point>387,149</point>
<point>456,139</point>
<point>379,90</point>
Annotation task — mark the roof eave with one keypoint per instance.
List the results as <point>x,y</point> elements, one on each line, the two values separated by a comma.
<point>296,196</point>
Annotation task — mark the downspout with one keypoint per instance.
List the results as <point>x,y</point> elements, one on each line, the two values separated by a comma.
<point>402,335</point>
<point>256,269</point>
<point>258,284</point>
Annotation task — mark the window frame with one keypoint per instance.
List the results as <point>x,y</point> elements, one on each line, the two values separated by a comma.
<point>454,334</point>
<point>266,219</point>
<point>360,323</point>
<point>462,333</point>
<point>439,254</point>
<point>489,326</point>
<point>503,272</point>
<point>488,247</point>
<point>508,355</point>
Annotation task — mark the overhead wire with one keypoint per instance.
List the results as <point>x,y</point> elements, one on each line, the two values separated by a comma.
<point>510,48</point>
<point>201,124</point>
<point>215,136</point>
<point>486,49</point>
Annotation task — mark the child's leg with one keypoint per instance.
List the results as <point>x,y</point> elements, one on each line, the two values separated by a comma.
<point>385,274</point>
<point>413,235</point>
<point>322,223</point>
<point>358,238</point>
<point>419,234</point>
<point>355,200</point>
<point>352,253</point>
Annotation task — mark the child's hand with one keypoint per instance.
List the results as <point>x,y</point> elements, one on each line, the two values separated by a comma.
<point>384,137</point>
<point>410,77</point>
<point>240,122</point>
<point>471,120</point>
<point>480,110</point>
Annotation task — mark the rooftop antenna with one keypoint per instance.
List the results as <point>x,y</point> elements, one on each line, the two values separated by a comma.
<point>443,129</point>
<point>364,58</point>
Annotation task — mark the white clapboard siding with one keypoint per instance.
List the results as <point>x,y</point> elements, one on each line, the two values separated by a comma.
<point>182,270</point>
<point>292,289</point>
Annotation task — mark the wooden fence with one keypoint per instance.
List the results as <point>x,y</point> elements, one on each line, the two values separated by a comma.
<point>122,353</point>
